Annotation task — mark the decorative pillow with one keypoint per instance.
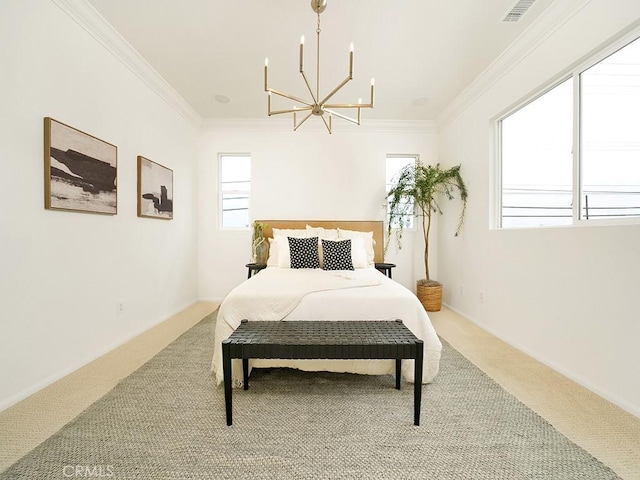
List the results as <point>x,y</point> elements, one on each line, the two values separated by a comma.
<point>367,238</point>
<point>280,246</point>
<point>321,232</point>
<point>337,255</point>
<point>304,252</point>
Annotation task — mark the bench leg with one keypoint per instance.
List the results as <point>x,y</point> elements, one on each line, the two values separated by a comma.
<point>417,382</point>
<point>398,370</point>
<point>245,373</point>
<point>226,369</point>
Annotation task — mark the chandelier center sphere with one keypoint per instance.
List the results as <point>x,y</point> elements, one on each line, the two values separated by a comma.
<point>318,6</point>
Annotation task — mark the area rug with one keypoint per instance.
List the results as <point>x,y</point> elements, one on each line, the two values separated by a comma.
<point>167,421</point>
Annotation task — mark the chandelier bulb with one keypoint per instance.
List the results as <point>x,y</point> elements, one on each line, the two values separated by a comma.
<point>302,40</point>
<point>351,47</point>
<point>266,62</point>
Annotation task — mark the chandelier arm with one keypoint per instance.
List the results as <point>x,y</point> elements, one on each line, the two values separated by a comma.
<point>347,105</point>
<point>292,110</point>
<point>328,125</point>
<point>315,100</point>
<point>344,117</point>
<point>335,90</point>
<point>290,97</point>
<point>352,105</point>
<point>295,127</point>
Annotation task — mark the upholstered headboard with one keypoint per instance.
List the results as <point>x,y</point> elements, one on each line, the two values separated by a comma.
<point>376,226</point>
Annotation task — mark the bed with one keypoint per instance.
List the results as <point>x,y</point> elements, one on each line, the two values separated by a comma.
<point>281,292</point>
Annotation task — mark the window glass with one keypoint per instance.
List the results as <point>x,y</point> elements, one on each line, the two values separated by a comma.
<point>537,162</point>
<point>610,136</point>
<point>235,189</point>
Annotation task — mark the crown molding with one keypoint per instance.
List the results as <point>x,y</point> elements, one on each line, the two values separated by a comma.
<point>83,13</point>
<point>556,15</point>
<point>339,126</point>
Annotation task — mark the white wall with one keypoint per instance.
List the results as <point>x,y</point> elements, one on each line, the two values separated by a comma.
<point>568,296</point>
<point>61,273</point>
<point>307,174</point>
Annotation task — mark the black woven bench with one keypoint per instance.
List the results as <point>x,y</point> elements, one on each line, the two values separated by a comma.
<point>322,340</point>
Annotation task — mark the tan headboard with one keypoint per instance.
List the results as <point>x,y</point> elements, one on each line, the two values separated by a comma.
<point>377,227</point>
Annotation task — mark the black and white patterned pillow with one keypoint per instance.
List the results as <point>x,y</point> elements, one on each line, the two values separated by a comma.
<point>303,252</point>
<point>337,255</point>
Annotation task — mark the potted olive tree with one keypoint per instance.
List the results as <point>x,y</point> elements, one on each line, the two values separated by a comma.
<point>416,191</point>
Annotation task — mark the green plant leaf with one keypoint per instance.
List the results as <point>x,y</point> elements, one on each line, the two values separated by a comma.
<point>416,191</point>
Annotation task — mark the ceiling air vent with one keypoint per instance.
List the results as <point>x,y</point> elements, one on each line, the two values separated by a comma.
<point>518,9</point>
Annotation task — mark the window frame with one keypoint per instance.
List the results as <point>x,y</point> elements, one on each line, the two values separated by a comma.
<point>222,191</point>
<point>573,72</point>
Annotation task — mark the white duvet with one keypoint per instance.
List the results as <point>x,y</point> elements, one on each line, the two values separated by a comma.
<point>291,294</point>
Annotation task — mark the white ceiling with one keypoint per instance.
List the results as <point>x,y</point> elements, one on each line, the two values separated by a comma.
<point>422,53</point>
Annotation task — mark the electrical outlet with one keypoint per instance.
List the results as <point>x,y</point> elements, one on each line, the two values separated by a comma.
<point>481,297</point>
<point>120,307</point>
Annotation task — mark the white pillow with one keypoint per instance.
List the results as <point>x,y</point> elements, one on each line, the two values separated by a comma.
<point>358,253</point>
<point>279,250</point>
<point>283,255</point>
<point>321,232</point>
<point>290,232</point>
<point>272,261</point>
<point>367,239</point>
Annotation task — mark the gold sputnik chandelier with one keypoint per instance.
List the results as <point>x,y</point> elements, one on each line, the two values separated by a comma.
<point>317,106</point>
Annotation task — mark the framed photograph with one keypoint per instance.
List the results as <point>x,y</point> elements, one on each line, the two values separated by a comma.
<point>80,170</point>
<point>155,190</point>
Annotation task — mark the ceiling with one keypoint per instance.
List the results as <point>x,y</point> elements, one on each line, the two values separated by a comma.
<point>422,53</point>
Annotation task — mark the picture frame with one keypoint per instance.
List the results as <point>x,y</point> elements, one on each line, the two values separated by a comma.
<point>80,170</point>
<point>155,190</point>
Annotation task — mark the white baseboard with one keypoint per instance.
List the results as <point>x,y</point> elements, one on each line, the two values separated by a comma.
<point>27,392</point>
<point>614,399</point>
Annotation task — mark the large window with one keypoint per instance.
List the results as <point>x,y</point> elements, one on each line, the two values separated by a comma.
<point>235,189</point>
<point>536,161</point>
<point>610,136</point>
<point>572,153</point>
<point>395,163</point>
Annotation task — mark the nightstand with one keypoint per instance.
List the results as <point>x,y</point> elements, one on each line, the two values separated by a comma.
<point>254,268</point>
<point>385,268</point>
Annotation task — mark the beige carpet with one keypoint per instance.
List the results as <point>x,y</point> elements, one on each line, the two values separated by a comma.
<point>166,421</point>
<point>32,421</point>
<point>607,432</point>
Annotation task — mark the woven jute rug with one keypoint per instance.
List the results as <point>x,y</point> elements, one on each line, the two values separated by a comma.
<point>167,421</point>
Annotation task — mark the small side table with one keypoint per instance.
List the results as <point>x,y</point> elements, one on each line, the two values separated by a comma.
<point>385,268</point>
<point>254,268</point>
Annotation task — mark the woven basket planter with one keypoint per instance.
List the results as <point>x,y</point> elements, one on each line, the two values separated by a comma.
<point>430,296</point>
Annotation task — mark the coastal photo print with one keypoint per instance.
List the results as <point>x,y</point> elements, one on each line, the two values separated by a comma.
<point>79,170</point>
<point>155,190</point>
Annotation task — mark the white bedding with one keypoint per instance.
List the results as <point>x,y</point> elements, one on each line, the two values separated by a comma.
<point>290,294</point>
